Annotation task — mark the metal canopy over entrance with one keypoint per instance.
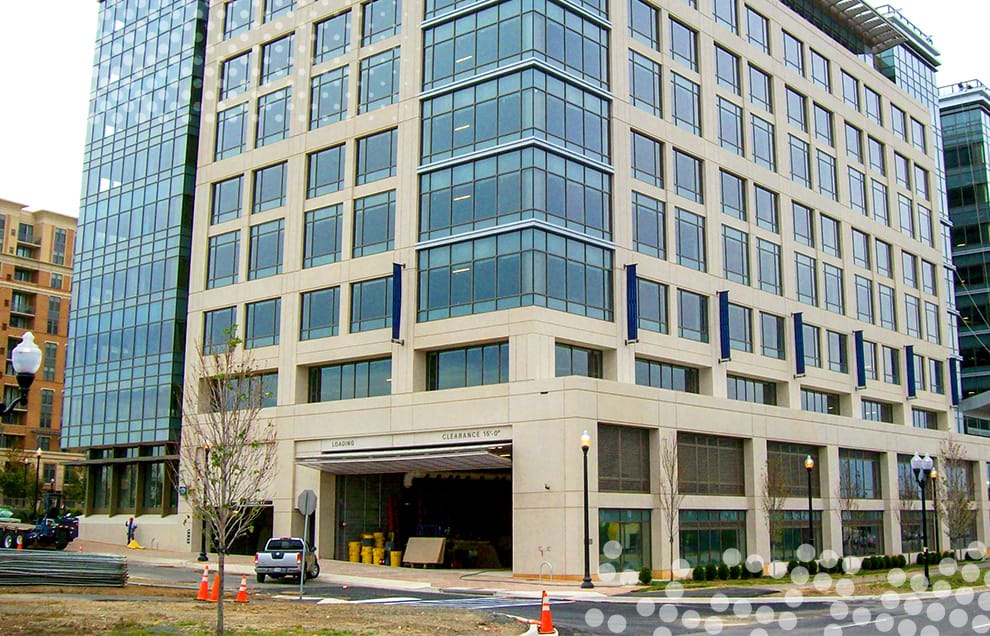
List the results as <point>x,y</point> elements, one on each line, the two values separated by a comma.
<point>490,455</point>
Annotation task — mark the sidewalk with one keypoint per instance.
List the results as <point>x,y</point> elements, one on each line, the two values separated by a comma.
<point>484,582</point>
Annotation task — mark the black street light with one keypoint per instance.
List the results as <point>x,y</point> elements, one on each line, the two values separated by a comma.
<point>938,530</point>
<point>922,468</point>
<point>37,469</point>
<point>26,359</point>
<point>586,582</point>
<point>27,462</point>
<point>202,535</point>
<point>809,464</point>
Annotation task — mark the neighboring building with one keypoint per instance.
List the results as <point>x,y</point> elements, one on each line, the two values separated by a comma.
<point>35,279</point>
<point>125,370</point>
<point>965,112</point>
<point>454,235</point>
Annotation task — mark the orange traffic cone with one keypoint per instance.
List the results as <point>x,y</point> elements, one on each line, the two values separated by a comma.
<point>204,585</point>
<point>242,591</point>
<point>80,547</point>
<point>215,590</point>
<point>546,621</point>
<point>20,542</point>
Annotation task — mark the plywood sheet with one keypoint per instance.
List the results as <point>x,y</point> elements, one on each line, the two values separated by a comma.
<point>424,550</point>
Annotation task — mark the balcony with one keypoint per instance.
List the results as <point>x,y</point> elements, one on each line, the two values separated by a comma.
<point>28,238</point>
<point>24,309</point>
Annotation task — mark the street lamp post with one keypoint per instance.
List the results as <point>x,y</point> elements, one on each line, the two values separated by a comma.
<point>809,464</point>
<point>26,463</point>
<point>922,468</point>
<point>26,359</point>
<point>202,535</point>
<point>586,582</point>
<point>938,530</point>
<point>37,470</point>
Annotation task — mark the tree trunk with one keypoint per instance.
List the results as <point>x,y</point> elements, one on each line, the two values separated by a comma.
<point>220,556</point>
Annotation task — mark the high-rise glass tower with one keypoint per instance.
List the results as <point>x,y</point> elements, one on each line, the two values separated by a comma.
<point>129,297</point>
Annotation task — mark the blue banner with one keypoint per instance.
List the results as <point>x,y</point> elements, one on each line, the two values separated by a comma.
<point>632,304</point>
<point>396,300</point>
<point>860,359</point>
<point>725,347</point>
<point>954,380</point>
<point>798,344</point>
<point>909,371</point>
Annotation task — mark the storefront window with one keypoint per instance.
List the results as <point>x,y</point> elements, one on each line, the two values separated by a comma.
<point>862,532</point>
<point>705,535</point>
<point>624,539</point>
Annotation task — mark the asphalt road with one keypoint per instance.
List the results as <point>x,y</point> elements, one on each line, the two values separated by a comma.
<point>959,613</point>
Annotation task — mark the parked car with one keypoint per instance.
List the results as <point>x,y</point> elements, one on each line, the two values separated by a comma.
<point>282,557</point>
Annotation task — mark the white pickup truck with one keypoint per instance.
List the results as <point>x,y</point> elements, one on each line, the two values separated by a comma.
<point>283,557</point>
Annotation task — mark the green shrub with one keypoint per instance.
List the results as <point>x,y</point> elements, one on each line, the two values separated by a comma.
<point>901,561</point>
<point>888,562</point>
<point>791,565</point>
<point>711,571</point>
<point>698,574</point>
<point>735,572</point>
<point>723,572</point>
<point>646,575</point>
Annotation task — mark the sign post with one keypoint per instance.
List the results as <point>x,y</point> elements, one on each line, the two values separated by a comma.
<point>306,502</point>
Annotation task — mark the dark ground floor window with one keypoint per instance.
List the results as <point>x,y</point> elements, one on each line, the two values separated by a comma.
<point>624,539</point>
<point>705,535</point>
<point>862,532</point>
<point>794,532</point>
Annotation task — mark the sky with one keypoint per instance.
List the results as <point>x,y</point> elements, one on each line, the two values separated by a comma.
<point>46,59</point>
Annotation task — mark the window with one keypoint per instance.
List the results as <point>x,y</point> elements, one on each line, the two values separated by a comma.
<point>644,23</point>
<point>263,320</point>
<point>59,239</point>
<point>381,19</point>
<point>275,8</point>
<point>804,225</point>
<point>649,226</point>
<point>767,215</point>
<point>730,126</point>
<point>686,104</point>
<point>905,212</point>
<point>936,376</point>
<point>705,535</point>
<point>332,37</point>
<point>819,401</point>
<point>691,240</point>
<point>772,336</point>
<point>741,328</point>
<point>735,255</point>
<point>374,223</point>
<point>764,144</point>
<point>793,53</point>
<point>226,200</point>
<point>821,72</point>
<point>918,135</point>
<point>379,84</point>
<point>727,70</point>
<point>319,315</point>
<point>831,238</point>
<point>834,292</point>
<point>265,257</point>
<point>877,160</point>
<point>269,188</point>
<point>350,380</point>
<point>875,411</point>
<point>696,454</point>
<point>235,76</point>
<point>826,176</point>
<point>321,244</point>
<point>760,91</point>
<point>925,226</point>
<point>574,360</point>
<point>644,83</point>
<point>45,421</point>
<point>898,122</point>
<point>692,314</point>
<point>864,299</point>
<point>879,202</point>
<point>726,15</point>
<point>891,368</point>
<point>623,458</point>
<point>688,177</point>
<point>797,113</point>
<point>276,59</point>
<point>857,191</point>
<point>909,265</point>
<point>758,29</point>
<point>469,366</point>
<point>49,362</point>
<point>769,265</point>
<point>921,183</point>
<point>376,156</point>
<point>749,390</point>
<point>666,376</point>
<point>273,117</point>
<point>918,363</point>
<point>231,132</point>
<point>652,305</point>
<point>371,304</point>
<point>326,171</point>
<point>647,159</point>
<point>224,250</point>
<point>238,15</point>
<point>924,419</point>
<point>55,282</point>
<point>328,103</point>
<point>800,161</point>
<point>854,143</point>
<point>873,105</point>
<point>218,329</point>
<point>733,195</point>
<point>885,265</point>
<point>912,316</point>
<point>850,90</point>
<point>902,170</point>
<point>837,351</point>
<point>928,277</point>
<point>888,316</point>
<point>824,130</point>
<point>684,45</point>
<point>859,474</point>
<point>807,279</point>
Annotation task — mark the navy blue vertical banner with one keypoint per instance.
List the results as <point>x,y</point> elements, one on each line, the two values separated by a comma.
<point>909,371</point>
<point>725,347</point>
<point>860,359</point>
<point>798,343</point>
<point>632,304</point>
<point>954,380</point>
<point>396,300</point>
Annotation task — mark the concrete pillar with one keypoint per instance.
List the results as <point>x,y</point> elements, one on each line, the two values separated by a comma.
<point>757,537</point>
<point>981,487</point>
<point>891,503</point>
<point>831,507</point>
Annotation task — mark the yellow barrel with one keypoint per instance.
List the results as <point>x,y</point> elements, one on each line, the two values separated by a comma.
<point>367,540</point>
<point>354,551</point>
<point>396,558</point>
<point>379,539</point>
<point>379,555</point>
<point>366,555</point>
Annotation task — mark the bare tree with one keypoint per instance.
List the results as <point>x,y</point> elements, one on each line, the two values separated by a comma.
<point>670,493</point>
<point>848,493</point>
<point>955,490</point>
<point>772,496</point>
<point>227,457</point>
